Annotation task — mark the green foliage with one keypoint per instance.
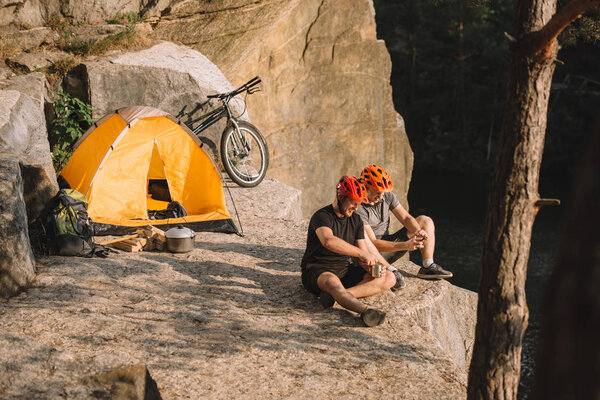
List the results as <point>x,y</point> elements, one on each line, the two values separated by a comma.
<point>584,29</point>
<point>129,18</point>
<point>73,117</point>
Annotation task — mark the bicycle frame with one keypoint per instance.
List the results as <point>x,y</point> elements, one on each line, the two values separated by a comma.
<point>237,148</point>
<point>211,117</point>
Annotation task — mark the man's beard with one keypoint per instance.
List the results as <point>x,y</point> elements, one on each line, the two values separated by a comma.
<point>347,211</point>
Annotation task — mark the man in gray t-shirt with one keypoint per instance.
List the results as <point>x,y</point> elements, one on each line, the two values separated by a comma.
<point>377,215</point>
<point>417,233</point>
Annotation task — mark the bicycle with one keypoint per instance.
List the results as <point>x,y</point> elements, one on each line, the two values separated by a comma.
<point>243,149</point>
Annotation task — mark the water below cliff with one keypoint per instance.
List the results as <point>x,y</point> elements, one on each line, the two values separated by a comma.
<point>458,207</point>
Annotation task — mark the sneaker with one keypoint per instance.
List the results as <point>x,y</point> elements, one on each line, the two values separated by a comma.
<point>399,281</point>
<point>434,271</point>
<point>372,317</point>
<point>326,300</point>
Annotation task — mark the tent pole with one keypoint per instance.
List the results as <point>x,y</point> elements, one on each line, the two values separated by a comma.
<point>234,206</point>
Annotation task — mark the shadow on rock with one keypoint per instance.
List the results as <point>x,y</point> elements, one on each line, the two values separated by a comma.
<point>280,255</point>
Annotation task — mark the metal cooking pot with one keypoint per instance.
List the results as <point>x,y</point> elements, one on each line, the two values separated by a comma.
<point>180,239</point>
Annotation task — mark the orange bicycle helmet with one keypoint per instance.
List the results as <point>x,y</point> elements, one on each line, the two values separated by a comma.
<point>349,186</point>
<point>376,178</point>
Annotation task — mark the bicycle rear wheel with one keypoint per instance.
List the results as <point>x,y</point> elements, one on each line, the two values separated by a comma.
<point>245,155</point>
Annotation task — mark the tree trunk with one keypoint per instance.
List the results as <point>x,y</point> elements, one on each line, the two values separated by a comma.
<point>568,361</point>
<point>502,312</point>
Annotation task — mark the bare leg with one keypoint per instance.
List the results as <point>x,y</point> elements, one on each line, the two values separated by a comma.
<point>331,284</point>
<point>373,250</point>
<point>427,225</point>
<point>370,286</point>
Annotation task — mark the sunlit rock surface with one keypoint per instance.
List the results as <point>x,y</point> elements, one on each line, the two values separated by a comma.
<point>231,320</point>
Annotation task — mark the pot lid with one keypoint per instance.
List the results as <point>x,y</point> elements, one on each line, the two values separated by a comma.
<point>180,232</point>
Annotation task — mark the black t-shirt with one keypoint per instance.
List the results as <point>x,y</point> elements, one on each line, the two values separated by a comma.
<point>349,229</point>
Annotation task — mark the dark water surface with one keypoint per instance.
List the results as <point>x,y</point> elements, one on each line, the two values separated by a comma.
<point>458,206</point>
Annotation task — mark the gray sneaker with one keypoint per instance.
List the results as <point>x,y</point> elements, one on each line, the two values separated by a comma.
<point>372,317</point>
<point>434,271</point>
<point>399,281</point>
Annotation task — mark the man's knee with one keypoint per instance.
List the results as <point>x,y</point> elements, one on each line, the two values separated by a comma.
<point>425,222</point>
<point>390,280</point>
<point>386,281</point>
<point>328,282</point>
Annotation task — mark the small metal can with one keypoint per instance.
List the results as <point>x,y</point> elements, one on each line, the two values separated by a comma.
<point>376,270</point>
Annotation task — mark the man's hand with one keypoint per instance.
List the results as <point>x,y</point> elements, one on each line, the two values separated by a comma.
<point>422,233</point>
<point>419,232</point>
<point>368,258</point>
<point>414,243</point>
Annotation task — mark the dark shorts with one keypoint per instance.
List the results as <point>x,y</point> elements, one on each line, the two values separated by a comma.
<point>349,274</point>
<point>399,236</point>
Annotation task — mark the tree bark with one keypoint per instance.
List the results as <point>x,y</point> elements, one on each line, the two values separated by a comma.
<point>502,311</point>
<point>568,360</point>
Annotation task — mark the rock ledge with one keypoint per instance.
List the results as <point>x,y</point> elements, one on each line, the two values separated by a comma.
<point>230,320</point>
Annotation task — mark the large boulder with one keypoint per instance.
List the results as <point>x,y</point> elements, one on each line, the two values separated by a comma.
<point>23,134</point>
<point>34,85</point>
<point>16,259</point>
<point>167,76</point>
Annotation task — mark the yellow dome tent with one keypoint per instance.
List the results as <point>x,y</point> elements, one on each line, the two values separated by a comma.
<point>114,161</point>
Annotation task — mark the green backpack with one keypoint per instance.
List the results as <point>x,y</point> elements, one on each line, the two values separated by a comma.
<point>69,229</point>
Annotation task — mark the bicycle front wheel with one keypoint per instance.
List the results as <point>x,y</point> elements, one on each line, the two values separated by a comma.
<point>245,154</point>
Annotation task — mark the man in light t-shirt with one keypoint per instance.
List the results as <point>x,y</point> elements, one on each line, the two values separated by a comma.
<point>417,233</point>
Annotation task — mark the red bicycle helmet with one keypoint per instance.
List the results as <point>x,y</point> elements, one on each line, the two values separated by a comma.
<point>349,186</point>
<point>376,178</point>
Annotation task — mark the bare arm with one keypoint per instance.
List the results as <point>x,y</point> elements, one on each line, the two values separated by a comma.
<point>340,246</point>
<point>373,249</point>
<point>412,226</point>
<point>411,244</point>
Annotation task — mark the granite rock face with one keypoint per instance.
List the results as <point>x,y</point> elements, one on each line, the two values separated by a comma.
<point>326,109</point>
<point>16,258</point>
<point>26,39</point>
<point>36,13</point>
<point>23,135</point>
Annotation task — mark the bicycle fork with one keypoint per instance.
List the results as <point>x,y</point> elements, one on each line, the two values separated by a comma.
<point>241,147</point>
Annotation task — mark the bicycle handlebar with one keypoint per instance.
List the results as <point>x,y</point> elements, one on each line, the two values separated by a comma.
<point>249,86</point>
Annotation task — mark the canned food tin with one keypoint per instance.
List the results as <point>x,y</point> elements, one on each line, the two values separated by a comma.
<point>376,270</point>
